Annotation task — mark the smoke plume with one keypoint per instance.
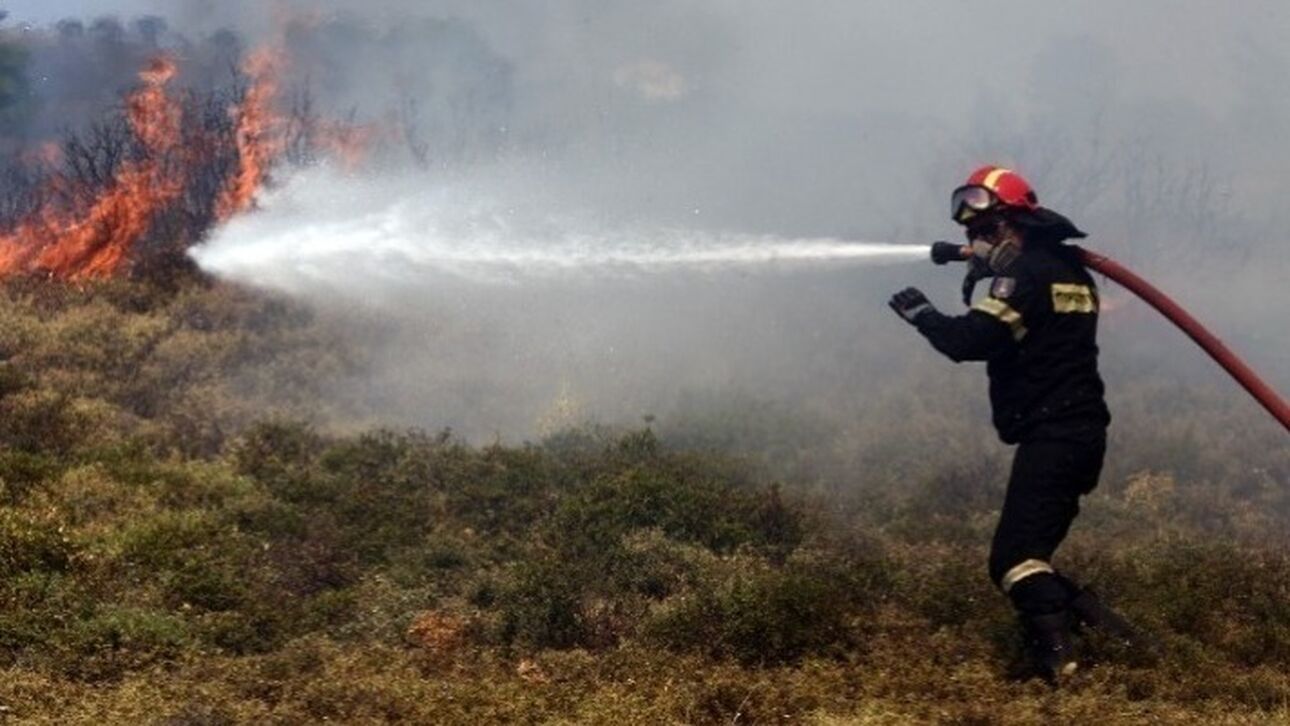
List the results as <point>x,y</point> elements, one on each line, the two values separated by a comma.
<point>685,126</point>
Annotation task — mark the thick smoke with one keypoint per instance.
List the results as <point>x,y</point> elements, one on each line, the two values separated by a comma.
<point>1155,125</point>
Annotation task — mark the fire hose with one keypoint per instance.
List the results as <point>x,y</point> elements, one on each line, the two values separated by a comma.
<point>943,252</point>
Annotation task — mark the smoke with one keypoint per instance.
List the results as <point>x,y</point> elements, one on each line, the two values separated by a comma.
<point>590,128</point>
<point>505,312</point>
<point>798,122</point>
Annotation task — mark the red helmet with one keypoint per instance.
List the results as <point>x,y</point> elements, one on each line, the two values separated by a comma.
<point>990,188</point>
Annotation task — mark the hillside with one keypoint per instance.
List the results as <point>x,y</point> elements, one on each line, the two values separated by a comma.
<point>187,537</point>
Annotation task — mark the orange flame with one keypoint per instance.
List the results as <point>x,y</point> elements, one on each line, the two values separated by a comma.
<point>93,243</point>
<point>47,154</point>
<point>259,137</point>
<point>348,143</point>
<point>92,240</point>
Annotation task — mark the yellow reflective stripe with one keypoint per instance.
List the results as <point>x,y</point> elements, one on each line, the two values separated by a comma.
<point>992,179</point>
<point>1073,298</point>
<point>1022,571</point>
<point>997,308</point>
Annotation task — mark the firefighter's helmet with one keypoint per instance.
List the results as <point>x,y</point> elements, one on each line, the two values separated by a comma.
<point>989,189</point>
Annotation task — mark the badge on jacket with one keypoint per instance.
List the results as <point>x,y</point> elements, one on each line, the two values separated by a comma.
<point>1002,287</point>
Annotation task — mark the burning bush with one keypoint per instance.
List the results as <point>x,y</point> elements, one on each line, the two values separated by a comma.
<point>74,238</point>
<point>132,190</point>
<point>96,183</point>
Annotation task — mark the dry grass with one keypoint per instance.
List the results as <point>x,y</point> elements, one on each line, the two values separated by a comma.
<point>165,559</point>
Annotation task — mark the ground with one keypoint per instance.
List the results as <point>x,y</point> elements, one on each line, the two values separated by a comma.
<point>192,533</point>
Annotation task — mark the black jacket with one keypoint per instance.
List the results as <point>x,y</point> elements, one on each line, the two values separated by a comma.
<point>1037,329</point>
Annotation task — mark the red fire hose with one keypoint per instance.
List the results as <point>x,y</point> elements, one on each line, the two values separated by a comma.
<point>1244,375</point>
<point>943,252</point>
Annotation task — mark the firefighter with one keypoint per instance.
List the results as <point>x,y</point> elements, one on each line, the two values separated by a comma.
<point>1036,330</point>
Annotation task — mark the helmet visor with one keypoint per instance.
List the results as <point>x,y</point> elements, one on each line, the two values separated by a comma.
<point>969,201</point>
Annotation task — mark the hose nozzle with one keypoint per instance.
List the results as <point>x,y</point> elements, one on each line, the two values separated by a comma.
<point>946,252</point>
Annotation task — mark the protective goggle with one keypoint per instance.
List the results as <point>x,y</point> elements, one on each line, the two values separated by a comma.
<point>971,200</point>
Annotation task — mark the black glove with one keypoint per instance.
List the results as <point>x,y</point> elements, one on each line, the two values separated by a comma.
<point>910,303</point>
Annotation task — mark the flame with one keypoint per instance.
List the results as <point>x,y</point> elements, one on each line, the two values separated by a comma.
<point>93,238</point>
<point>94,242</point>
<point>47,154</point>
<point>258,134</point>
<point>348,143</point>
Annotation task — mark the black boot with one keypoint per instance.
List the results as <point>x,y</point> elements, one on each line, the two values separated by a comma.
<point>1048,644</point>
<point>1089,611</point>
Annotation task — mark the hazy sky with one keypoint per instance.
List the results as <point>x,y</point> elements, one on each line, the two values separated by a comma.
<point>923,55</point>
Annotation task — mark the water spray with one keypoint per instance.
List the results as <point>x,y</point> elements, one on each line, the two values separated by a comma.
<point>946,252</point>
<point>325,230</point>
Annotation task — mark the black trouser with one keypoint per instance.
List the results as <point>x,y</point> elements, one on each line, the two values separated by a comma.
<point>1048,478</point>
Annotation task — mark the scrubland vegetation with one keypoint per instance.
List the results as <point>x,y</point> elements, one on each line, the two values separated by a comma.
<point>188,537</point>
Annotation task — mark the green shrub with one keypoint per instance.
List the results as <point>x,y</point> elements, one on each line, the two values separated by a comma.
<point>28,544</point>
<point>953,590</point>
<point>549,600</point>
<point>541,605</point>
<point>629,526</point>
<point>765,615</point>
<point>686,498</point>
<point>114,641</point>
<point>1233,599</point>
<point>41,422</point>
<point>37,606</point>
<point>132,629</point>
<point>279,455</point>
<point>250,630</point>
<point>21,471</point>
<point>198,560</point>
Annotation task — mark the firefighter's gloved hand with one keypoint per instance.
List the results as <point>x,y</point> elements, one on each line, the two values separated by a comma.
<point>910,303</point>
